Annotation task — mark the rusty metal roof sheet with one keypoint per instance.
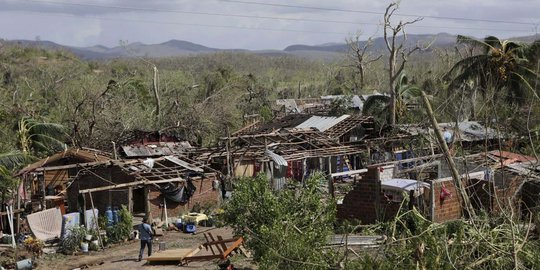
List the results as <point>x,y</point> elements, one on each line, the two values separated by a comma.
<point>153,150</point>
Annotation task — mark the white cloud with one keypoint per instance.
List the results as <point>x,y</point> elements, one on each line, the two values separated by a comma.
<point>78,25</point>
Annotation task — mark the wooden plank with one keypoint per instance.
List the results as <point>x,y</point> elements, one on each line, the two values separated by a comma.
<point>111,187</point>
<point>245,251</point>
<point>207,245</point>
<point>213,240</point>
<point>221,241</point>
<point>223,246</point>
<point>184,164</point>
<point>202,258</point>
<point>236,244</point>
<point>170,255</point>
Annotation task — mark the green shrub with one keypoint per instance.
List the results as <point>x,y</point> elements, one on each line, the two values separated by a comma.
<point>72,242</point>
<point>122,230</point>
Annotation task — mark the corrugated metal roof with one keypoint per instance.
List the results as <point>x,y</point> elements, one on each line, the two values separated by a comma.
<point>279,160</point>
<point>472,130</point>
<point>290,105</point>
<point>184,164</point>
<point>354,102</point>
<point>321,123</point>
<point>469,131</point>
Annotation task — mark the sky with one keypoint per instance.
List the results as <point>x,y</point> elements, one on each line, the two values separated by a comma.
<point>254,24</point>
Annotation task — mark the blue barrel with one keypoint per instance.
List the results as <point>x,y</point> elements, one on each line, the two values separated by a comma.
<point>190,228</point>
<point>109,215</point>
<point>115,215</point>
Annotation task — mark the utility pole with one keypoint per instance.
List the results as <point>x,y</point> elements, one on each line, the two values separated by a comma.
<point>446,152</point>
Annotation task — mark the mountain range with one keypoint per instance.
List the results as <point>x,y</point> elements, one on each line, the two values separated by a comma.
<point>171,48</point>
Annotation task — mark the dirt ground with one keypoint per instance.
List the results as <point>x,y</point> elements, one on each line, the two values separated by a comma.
<point>124,256</point>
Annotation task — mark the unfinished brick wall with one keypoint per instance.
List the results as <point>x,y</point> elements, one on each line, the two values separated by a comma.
<point>366,202</point>
<point>449,208</point>
<point>205,196</point>
<point>494,199</point>
<point>508,196</point>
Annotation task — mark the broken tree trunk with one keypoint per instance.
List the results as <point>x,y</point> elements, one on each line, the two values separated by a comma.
<point>155,86</point>
<point>455,175</point>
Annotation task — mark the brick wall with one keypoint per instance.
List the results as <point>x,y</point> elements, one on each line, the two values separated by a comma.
<point>366,202</point>
<point>449,208</point>
<point>205,195</point>
<point>494,199</point>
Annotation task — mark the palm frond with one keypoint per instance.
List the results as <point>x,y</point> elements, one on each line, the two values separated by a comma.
<point>377,106</point>
<point>492,43</point>
<point>13,159</point>
<point>473,42</point>
<point>472,64</point>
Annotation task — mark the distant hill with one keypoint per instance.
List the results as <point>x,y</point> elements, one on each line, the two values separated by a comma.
<point>323,52</point>
<point>439,40</point>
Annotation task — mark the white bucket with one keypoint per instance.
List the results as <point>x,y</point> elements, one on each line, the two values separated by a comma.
<point>84,247</point>
<point>24,264</point>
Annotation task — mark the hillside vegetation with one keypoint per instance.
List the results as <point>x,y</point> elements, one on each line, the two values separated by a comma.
<point>202,96</point>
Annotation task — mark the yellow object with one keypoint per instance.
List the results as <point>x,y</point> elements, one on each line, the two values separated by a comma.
<point>194,217</point>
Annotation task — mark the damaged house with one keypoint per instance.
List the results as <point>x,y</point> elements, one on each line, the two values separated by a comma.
<point>139,175</point>
<point>495,181</point>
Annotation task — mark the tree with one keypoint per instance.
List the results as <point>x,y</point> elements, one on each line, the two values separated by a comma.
<point>285,229</point>
<point>501,69</point>
<point>360,58</point>
<point>398,54</point>
<point>379,106</point>
<point>37,137</point>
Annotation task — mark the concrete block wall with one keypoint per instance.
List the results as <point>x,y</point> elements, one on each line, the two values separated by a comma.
<point>366,202</point>
<point>205,195</point>
<point>386,172</point>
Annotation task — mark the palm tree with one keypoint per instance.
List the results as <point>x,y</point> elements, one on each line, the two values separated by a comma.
<point>502,66</point>
<point>35,138</point>
<point>378,106</point>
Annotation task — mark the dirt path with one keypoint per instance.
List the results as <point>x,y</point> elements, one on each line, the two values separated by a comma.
<point>124,256</point>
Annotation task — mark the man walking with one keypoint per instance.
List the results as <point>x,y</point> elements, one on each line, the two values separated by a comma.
<point>145,234</point>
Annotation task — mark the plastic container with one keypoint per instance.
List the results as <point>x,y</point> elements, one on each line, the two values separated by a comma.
<point>109,215</point>
<point>179,224</point>
<point>190,228</point>
<point>84,247</point>
<point>24,264</point>
<point>115,215</point>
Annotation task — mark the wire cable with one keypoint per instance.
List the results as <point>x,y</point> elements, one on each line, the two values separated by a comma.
<point>264,17</point>
<point>376,12</point>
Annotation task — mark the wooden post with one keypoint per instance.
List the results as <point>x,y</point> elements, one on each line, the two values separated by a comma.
<point>130,199</point>
<point>449,159</point>
<point>331,188</point>
<point>43,191</point>
<point>329,165</point>
<point>228,145</point>
<point>19,204</point>
<point>432,200</point>
<point>96,220</point>
<point>147,202</point>
<point>84,201</point>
